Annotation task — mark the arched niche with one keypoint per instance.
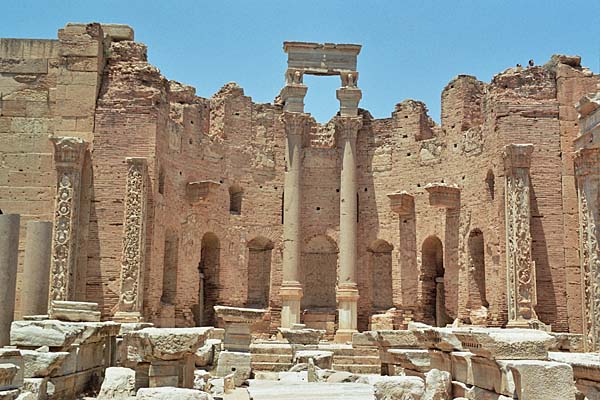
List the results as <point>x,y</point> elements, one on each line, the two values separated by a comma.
<point>380,262</point>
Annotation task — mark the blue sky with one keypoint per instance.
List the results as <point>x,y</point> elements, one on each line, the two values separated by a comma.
<point>411,49</point>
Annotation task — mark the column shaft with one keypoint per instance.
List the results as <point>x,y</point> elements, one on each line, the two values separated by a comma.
<point>291,289</point>
<point>347,291</point>
<point>36,268</point>
<point>9,256</point>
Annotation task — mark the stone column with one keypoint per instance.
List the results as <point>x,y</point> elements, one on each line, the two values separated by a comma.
<point>9,257</point>
<point>134,242</point>
<point>36,268</point>
<point>587,170</point>
<point>291,289</point>
<point>69,153</point>
<point>520,268</point>
<point>347,290</point>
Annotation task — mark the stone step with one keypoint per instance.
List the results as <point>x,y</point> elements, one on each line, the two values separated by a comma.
<point>363,360</point>
<point>271,366</point>
<point>358,369</point>
<point>271,358</point>
<point>349,351</point>
<point>271,348</point>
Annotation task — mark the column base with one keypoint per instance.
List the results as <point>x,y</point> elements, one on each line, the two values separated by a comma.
<point>128,317</point>
<point>347,299</point>
<point>291,294</point>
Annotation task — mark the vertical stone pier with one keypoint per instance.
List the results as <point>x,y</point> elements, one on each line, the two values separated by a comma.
<point>520,268</point>
<point>9,257</point>
<point>587,174</point>
<point>36,268</point>
<point>291,290</point>
<point>69,153</point>
<point>134,241</point>
<point>347,290</point>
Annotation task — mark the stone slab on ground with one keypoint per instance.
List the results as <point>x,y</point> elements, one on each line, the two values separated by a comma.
<point>542,380</point>
<point>118,384</point>
<point>237,363</point>
<point>506,344</point>
<point>269,390</point>
<point>150,344</point>
<point>171,393</point>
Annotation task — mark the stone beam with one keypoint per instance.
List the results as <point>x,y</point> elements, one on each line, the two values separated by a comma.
<point>322,58</point>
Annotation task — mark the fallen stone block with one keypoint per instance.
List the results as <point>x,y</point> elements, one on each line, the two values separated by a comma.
<point>302,336</point>
<point>412,359</point>
<point>462,369</point>
<point>150,344</point>
<point>322,358</point>
<point>7,375</point>
<point>39,364</point>
<point>237,363</point>
<point>204,356</point>
<point>507,344</point>
<point>74,311</point>
<point>585,365</point>
<point>395,387</point>
<point>14,357</point>
<point>118,384</point>
<point>438,385</point>
<point>171,393</point>
<point>542,380</point>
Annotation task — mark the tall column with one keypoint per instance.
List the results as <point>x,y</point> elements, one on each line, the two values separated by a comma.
<point>347,290</point>
<point>291,289</point>
<point>9,256</point>
<point>587,170</point>
<point>520,268</point>
<point>134,242</point>
<point>69,153</point>
<point>36,268</point>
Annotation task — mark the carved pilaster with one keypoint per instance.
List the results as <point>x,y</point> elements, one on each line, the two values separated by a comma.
<point>69,154</point>
<point>587,170</point>
<point>520,267</point>
<point>134,237</point>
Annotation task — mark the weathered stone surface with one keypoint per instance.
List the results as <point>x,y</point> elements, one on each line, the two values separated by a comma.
<point>237,363</point>
<point>118,384</point>
<point>164,343</point>
<point>264,390</point>
<point>438,385</point>
<point>7,375</point>
<point>416,360</point>
<point>302,336</point>
<point>322,359</point>
<point>74,311</point>
<point>542,380</point>
<point>507,344</point>
<point>205,355</point>
<point>39,364</point>
<point>171,393</point>
<point>585,365</point>
<point>395,387</point>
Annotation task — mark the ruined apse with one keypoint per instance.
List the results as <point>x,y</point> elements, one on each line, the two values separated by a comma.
<point>166,204</point>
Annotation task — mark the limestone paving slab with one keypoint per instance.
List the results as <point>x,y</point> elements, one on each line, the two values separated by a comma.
<point>274,390</point>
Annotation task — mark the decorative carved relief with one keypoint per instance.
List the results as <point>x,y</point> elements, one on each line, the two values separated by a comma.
<point>295,123</point>
<point>588,179</point>
<point>134,236</point>
<point>348,127</point>
<point>522,296</point>
<point>68,156</point>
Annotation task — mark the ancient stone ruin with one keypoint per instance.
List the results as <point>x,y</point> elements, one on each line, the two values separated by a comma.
<point>159,245</point>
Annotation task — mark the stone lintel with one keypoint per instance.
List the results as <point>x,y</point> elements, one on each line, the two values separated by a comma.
<point>240,314</point>
<point>74,311</point>
<point>322,58</point>
<point>444,196</point>
<point>68,151</point>
<point>199,190</point>
<point>402,203</point>
<point>516,156</point>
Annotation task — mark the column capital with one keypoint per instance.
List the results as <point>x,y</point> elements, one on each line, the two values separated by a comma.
<point>517,156</point>
<point>402,203</point>
<point>68,151</point>
<point>587,161</point>
<point>348,127</point>
<point>295,123</point>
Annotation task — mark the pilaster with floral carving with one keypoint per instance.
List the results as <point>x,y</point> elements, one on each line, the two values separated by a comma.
<point>587,170</point>
<point>134,237</point>
<point>69,154</point>
<point>520,268</point>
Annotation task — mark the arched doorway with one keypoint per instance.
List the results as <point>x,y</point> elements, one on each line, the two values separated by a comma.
<point>432,281</point>
<point>477,294</point>
<point>208,288</point>
<point>380,261</point>
<point>259,272</point>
